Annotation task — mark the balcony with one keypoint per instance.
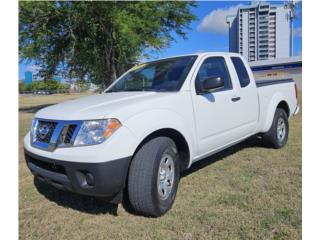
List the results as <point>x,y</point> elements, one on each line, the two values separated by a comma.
<point>262,17</point>
<point>264,27</point>
<point>266,6</point>
<point>264,23</point>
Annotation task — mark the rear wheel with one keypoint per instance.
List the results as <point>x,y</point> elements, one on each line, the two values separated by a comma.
<point>277,136</point>
<point>153,177</point>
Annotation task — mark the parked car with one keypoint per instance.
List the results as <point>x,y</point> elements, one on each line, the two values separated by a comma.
<point>154,122</point>
<point>42,92</point>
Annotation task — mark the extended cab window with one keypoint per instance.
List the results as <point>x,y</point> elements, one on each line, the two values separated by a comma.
<point>214,67</point>
<point>241,71</point>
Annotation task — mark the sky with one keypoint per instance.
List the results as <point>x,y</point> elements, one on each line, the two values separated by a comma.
<point>208,33</point>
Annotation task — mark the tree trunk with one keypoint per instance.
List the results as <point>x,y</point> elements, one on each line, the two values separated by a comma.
<point>111,68</point>
<point>113,72</point>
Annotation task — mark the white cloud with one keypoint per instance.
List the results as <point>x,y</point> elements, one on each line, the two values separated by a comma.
<point>216,20</point>
<point>297,32</point>
<point>34,68</point>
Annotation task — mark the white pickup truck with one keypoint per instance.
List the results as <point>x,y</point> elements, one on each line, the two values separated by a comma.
<point>154,122</point>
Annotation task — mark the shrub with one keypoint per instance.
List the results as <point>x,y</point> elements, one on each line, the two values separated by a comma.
<point>48,85</point>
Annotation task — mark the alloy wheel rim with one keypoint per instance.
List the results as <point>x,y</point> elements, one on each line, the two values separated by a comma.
<point>281,129</point>
<point>165,176</point>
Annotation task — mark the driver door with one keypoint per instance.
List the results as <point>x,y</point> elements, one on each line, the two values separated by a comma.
<point>216,112</point>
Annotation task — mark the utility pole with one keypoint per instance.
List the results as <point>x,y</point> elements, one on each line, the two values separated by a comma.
<point>291,5</point>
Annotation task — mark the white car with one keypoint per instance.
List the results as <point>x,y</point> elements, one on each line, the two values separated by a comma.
<point>154,122</point>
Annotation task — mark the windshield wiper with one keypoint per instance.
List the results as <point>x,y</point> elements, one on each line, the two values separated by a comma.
<point>124,90</point>
<point>134,90</point>
<point>138,90</point>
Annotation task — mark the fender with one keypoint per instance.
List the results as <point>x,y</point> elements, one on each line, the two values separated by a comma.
<point>159,119</point>
<point>273,103</point>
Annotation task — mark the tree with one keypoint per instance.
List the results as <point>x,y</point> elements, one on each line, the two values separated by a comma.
<point>47,85</point>
<point>97,40</point>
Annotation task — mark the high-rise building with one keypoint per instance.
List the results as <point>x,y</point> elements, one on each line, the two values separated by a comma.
<point>261,31</point>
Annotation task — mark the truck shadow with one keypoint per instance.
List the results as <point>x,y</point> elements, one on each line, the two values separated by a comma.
<point>251,142</point>
<point>77,202</point>
<point>95,206</point>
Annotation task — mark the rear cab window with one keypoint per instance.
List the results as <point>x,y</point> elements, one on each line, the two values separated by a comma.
<point>241,70</point>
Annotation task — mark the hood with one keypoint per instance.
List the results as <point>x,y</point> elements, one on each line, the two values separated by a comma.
<point>96,106</point>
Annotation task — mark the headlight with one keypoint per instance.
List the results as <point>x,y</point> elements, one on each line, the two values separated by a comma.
<point>96,131</point>
<point>33,129</point>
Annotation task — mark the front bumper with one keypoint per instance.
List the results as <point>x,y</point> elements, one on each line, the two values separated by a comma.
<point>103,179</point>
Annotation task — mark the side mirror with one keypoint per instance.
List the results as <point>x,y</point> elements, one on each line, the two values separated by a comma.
<point>212,83</point>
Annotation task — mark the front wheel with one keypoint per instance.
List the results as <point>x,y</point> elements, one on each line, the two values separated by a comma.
<point>153,177</point>
<point>277,136</point>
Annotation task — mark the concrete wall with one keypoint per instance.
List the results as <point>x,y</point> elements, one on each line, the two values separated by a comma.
<point>282,33</point>
<point>245,27</point>
<point>233,35</point>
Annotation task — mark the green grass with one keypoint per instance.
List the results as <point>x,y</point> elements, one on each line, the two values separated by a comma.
<point>245,192</point>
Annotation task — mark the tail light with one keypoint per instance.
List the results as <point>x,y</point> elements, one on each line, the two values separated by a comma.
<point>296,90</point>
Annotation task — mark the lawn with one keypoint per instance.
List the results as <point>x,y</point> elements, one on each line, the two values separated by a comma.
<point>245,192</point>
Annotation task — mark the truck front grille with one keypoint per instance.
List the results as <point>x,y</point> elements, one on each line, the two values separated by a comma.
<point>70,133</point>
<point>49,134</point>
<point>66,135</point>
<point>45,131</point>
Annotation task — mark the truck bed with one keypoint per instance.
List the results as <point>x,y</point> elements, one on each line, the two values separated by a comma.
<point>270,93</point>
<point>262,83</point>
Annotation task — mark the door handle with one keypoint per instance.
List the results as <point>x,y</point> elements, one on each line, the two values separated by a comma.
<point>234,99</point>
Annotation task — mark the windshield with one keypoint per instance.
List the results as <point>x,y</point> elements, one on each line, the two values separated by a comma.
<point>164,75</point>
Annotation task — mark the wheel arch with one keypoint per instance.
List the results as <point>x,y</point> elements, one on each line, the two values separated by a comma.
<point>277,101</point>
<point>284,105</point>
<point>179,140</point>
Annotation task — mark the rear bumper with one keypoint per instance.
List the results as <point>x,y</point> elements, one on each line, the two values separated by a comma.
<point>296,111</point>
<point>104,179</point>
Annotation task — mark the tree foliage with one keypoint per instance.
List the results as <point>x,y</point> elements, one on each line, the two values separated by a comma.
<point>97,40</point>
<point>48,85</point>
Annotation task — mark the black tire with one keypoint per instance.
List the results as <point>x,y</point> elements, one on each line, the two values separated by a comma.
<point>143,177</point>
<point>271,137</point>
